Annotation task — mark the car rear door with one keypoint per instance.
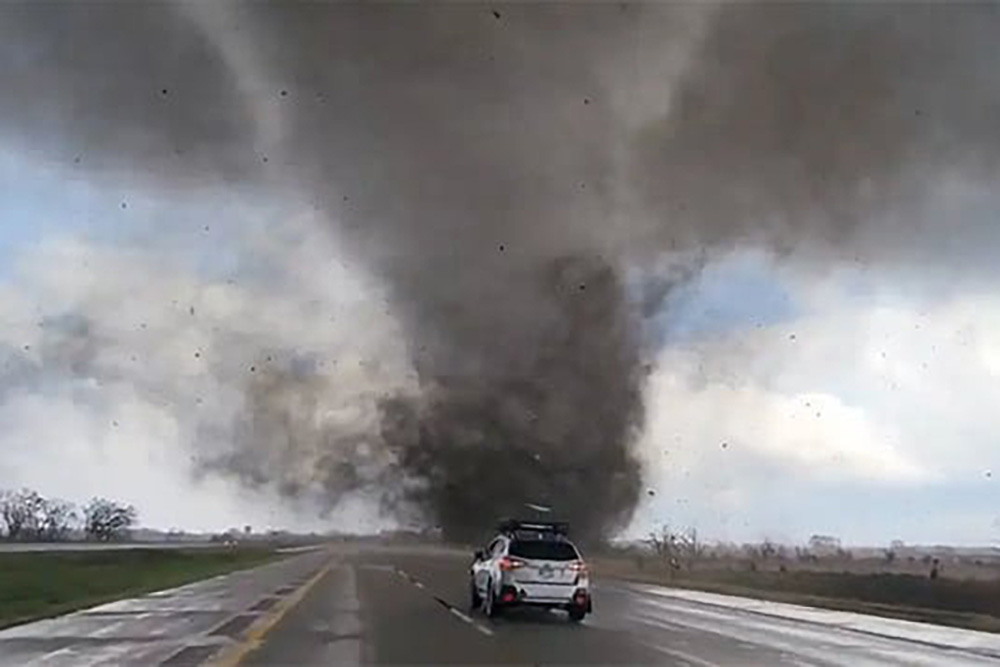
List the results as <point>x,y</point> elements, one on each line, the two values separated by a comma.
<point>545,562</point>
<point>485,567</point>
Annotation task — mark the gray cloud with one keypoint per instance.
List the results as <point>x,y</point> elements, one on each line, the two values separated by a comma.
<point>489,168</point>
<point>800,124</point>
<point>121,89</point>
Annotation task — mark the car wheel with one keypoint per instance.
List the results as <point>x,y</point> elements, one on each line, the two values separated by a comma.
<point>474,599</point>
<point>576,614</point>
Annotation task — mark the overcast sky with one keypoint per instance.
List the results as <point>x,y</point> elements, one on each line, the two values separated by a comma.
<point>792,391</point>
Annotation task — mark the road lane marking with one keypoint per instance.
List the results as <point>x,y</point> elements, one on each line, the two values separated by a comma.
<point>378,568</point>
<point>683,655</point>
<point>468,619</point>
<point>295,550</point>
<point>792,615</point>
<point>452,609</point>
<point>233,655</point>
<point>461,614</point>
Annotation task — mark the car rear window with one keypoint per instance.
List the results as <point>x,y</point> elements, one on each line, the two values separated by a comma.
<point>543,550</point>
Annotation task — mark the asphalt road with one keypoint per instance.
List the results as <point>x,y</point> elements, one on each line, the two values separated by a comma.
<point>350,605</point>
<point>184,625</point>
<point>411,606</point>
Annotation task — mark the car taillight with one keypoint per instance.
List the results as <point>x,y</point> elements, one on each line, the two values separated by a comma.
<point>578,566</point>
<point>507,563</point>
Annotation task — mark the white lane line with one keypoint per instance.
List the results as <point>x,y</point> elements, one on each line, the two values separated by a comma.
<point>461,614</point>
<point>55,656</point>
<point>457,613</point>
<point>468,619</point>
<point>683,655</point>
<point>296,550</point>
<point>829,621</point>
<point>379,568</point>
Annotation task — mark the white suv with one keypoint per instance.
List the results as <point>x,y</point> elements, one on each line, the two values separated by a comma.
<point>531,564</point>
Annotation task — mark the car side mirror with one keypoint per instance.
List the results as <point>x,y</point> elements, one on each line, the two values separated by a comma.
<point>479,554</point>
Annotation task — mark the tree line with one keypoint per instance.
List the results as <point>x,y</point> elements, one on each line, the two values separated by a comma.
<point>27,516</point>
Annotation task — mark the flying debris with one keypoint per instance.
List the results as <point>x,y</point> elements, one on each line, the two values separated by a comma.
<point>527,366</point>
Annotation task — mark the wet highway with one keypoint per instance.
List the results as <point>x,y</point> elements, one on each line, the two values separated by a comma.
<point>409,605</point>
<point>389,608</point>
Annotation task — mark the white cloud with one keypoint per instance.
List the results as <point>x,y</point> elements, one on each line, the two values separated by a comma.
<point>133,361</point>
<point>809,433</point>
<point>888,395</point>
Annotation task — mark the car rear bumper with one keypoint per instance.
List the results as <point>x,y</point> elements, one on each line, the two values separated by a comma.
<point>551,592</point>
<point>544,595</point>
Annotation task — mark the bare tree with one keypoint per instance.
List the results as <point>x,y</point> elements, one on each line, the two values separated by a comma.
<point>661,541</point>
<point>669,546</point>
<point>58,518</point>
<point>106,520</point>
<point>689,547</point>
<point>22,513</point>
<point>803,555</point>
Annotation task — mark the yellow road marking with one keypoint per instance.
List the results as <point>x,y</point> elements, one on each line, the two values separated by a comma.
<point>233,655</point>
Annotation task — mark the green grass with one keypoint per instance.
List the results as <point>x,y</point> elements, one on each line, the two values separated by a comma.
<point>41,584</point>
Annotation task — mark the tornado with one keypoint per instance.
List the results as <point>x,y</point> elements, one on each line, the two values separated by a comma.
<point>520,179</point>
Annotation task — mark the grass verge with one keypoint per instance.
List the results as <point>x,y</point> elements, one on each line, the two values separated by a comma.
<point>36,585</point>
<point>973,605</point>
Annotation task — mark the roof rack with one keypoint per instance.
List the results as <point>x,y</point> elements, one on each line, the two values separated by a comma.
<point>524,525</point>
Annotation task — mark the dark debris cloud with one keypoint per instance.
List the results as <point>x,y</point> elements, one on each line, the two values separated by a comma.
<point>462,146</point>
